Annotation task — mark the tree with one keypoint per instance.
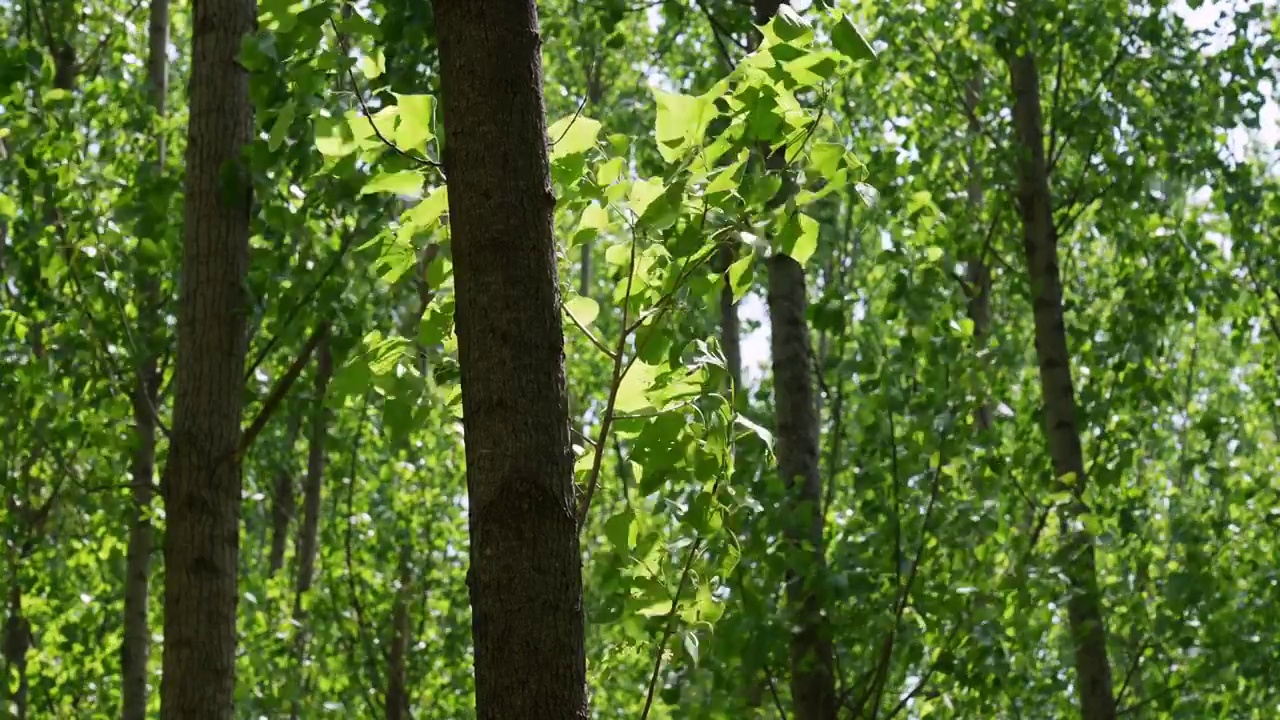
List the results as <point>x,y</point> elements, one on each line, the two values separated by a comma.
<point>202,475</point>
<point>1061,427</point>
<point>135,651</point>
<point>525,577</point>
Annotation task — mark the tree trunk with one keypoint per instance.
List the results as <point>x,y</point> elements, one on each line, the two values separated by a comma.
<point>283,502</point>
<point>730,337</point>
<point>202,478</point>
<point>813,693</point>
<point>1040,241</point>
<point>397,688</point>
<point>526,569</point>
<point>977,272</point>
<point>308,532</point>
<point>17,642</point>
<point>135,651</point>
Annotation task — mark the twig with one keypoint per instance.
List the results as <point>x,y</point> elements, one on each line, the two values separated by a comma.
<point>281,389</point>
<point>671,626</point>
<point>585,331</point>
<point>577,113</point>
<point>364,108</point>
<point>293,312</point>
<point>773,691</point>
<point>615,383</point>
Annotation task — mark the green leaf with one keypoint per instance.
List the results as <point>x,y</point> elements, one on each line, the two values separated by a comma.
<point>424,214</point>
<point>788,25</point>
<point>609,171</point>
<point>621,531</point>
<point>633,386</point>
<point>691,646</point>
<point>682,120</point>
<point>7,207</point>
<point>741,274</point>
<point>280,128</point>
<point>595,217</point>
<point>933,253</point>
<point>799,237</point>
<point>573,135</point>
<point>849,40</point>
<point>371,66</point>
<point>643,193</point>
<point>755,429</point>
<point>583,309</point>
<point>417,113</point>
<point>404,182</point>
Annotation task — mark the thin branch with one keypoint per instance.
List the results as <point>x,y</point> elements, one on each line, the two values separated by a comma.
<point>281,389</point>
<point>364,108</point>
<point>955,88</point>
<point>585,331</point>
<point>615,383</point>
<point>773,691</point>
<point>577,113</point>
<point>670,624</point>
<point>347,242</point>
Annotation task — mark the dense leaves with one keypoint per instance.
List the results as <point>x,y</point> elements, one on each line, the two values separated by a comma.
<point>894,184</point>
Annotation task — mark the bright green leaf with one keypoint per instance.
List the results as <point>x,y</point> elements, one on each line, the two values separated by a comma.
<point>572,135</point>
<point>404,182</point>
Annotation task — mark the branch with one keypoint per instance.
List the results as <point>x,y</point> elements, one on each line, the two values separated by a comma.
<point>671,625</point>
<point>293,312</point>
<point>280,390</point>
<point>364,108</point>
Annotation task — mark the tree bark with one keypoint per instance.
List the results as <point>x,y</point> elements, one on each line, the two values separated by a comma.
<point>202,478</point>
<point>1040,242</point>
<point>813,693</point>
<point>135,651</point>
<point>17,642</point>
<point>525,577</point>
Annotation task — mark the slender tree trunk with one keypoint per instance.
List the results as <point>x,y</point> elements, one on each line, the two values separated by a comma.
<point>202,478</point>
<point>309,530</point>
<point>813,692</point>
<point>397,688</point>
<point>283,502</point>
<point>17,642</point>
<point>813,689</point>
<point>526,568</point>
<point>1040,241</point>
<point>135,650</point>
<point>730,335</point>
<point>977,272</point>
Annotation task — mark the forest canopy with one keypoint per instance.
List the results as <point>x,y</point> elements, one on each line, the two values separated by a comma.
<point>657,359</point>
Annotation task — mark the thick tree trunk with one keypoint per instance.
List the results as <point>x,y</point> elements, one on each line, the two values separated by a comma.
<point>202,478</point>
<point>1040,241</point>
<point>813,693</point>
<point>526,569</point>
<point>135,651</point>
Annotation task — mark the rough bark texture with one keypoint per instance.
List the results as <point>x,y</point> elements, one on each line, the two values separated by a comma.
<point>1040,241</point>
<point>526,569</point>
<point>813,692</point>
<point>202,477</point>
<point>135,650</point>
